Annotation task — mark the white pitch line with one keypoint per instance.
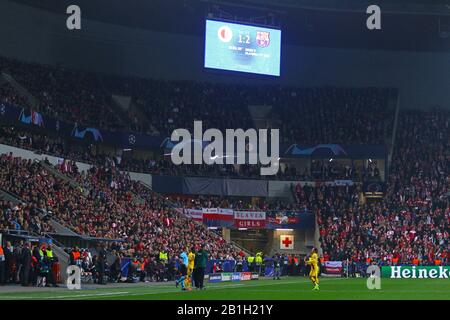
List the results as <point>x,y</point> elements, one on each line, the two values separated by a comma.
<point>67,296</point>
<point>221,287</point>
<point>176,291</point>
<point>218,288</point>
<point>121,294</point>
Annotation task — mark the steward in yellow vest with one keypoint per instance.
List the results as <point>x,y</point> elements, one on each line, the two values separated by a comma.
<point>163,256</point>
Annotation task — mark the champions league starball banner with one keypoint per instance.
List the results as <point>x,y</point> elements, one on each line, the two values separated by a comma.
<point>32,119</point>
<point>17,115</point>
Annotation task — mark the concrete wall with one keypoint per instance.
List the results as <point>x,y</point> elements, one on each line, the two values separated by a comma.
<point>226,234</point>
<point>143,177</point>
<point>27,154</point>
<point>34,35</point>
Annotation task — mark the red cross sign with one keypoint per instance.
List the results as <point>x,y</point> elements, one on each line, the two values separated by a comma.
<point>286,242</point>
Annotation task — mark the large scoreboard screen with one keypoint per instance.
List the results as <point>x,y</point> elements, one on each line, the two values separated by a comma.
<point>243,48</point>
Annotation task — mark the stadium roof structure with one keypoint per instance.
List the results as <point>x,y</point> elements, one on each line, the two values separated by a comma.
<point>414,25</point>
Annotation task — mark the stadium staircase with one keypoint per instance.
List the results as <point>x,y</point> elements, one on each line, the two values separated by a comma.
<point>75,184</point>
<point>394,130</point>
<point>316,242</point>
<point>63,229</point>
<point>120,104</point>
<point>4,195</point>
<point>136,110</point>
<point>246,251</point>
<point>122,101</point>
<point>62,176</point>
<point>34,103</point>
<point>61,254</point>
<point>260,115</point>
<point>130,106</point>
<point>169,202</point>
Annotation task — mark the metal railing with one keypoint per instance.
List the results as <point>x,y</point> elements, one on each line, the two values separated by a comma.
<point>18,232</point>
<point>394,132</point>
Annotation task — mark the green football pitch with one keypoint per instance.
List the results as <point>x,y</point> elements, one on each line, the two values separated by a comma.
<point>293,288</point>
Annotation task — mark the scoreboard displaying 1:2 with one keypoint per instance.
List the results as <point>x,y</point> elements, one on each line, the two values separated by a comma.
<point>242,48</point>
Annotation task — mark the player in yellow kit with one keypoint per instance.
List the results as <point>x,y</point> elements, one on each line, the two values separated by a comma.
<point>313,261</point>
<point>190,268</point>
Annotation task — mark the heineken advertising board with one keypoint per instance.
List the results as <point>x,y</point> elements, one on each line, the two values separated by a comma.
<point>416,272</point>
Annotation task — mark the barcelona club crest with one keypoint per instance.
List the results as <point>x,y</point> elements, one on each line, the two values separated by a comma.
<point>263,38</point>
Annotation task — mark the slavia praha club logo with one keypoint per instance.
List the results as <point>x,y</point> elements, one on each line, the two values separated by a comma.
<point>263,38</point>
<point>225,34</point>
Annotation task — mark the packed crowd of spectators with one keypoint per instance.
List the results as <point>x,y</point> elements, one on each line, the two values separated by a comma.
<point>24,216</point>
<point>85,98</point>
<point>9,95</point>
<point>303,115</point>
<point>73,96</point>
<point>376,231</point>
<point>328,170</point>
<point>236,203</point>
<point>320,170</point>
<point>411,224</point>
<point>108,204</point>
<point>334,115</point>
<point>169,105</point>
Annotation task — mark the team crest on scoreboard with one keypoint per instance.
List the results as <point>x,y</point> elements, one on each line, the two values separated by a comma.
<point>263,38</point>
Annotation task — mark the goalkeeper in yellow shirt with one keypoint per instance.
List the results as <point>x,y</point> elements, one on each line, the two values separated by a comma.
<point>313,261</point>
